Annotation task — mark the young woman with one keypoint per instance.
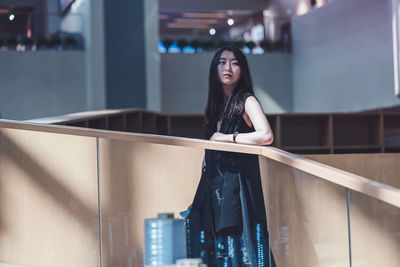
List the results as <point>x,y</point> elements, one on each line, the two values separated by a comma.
<point>227,221</point>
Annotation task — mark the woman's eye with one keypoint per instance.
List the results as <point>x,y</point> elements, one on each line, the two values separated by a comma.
<point>235,63</point>
<point>221,62</point>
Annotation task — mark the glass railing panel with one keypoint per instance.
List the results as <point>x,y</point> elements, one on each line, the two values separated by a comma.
<point>375,231</point>
<point>48,199</point>
<point>138,181</point>
<point>307,217</point>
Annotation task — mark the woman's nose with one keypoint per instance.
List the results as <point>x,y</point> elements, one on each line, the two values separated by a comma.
<point>228,66</point>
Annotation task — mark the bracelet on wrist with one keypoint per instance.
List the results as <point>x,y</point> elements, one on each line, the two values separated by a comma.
<point>235,134</point>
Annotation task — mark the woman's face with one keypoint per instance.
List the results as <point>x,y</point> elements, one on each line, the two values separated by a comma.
<point>228,69</point>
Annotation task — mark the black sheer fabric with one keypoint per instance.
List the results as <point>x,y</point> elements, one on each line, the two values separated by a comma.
<point>227,223</point>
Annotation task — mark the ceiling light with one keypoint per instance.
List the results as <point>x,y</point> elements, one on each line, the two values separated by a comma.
<point>302,8</point>
<point>11,17</point>
<point>212,31</point>
<point>231,22</point>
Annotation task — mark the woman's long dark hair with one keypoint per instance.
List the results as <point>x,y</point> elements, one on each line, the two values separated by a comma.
<point>215,103</point>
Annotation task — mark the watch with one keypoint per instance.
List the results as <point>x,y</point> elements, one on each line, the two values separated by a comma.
<point>235,134</point>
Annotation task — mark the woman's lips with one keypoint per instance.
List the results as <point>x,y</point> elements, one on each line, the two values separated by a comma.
<point>227,75</point>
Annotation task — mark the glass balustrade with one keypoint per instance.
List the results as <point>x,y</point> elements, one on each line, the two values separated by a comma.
<point>74,200</point>
<point>48,199</point>
<point>307,217</point>
<point>375,231</point>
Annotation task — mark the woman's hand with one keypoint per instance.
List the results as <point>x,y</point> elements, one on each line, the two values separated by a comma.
<point>217,136</point>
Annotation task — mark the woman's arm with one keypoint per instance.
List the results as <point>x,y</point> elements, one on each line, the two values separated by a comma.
<point>262,134</point>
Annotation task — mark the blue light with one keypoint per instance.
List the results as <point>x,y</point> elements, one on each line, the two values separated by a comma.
<point>246,50</point>
<point>260,246</point>
<point>202,238</point>
<point>174,48</point>
<point>161,47</point>
<point>188,49</point>
<point>231,247</point>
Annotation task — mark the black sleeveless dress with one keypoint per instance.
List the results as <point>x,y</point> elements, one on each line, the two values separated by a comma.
<point>227,222</point>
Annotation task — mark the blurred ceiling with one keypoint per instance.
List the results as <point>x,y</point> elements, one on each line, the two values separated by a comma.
<point>181,21</point>
<point>174,22</point>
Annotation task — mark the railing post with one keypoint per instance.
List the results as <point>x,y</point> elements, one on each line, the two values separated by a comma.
<point>348,223</point>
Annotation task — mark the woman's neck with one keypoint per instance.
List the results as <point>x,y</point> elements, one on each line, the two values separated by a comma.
<point>226,98</point>
<point>228,90</point>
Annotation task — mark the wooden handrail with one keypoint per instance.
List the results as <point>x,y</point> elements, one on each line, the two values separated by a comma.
<point>87,115</point>
<point>354,182</point>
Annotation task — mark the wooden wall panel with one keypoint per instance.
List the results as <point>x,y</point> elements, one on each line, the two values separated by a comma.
<point>48,199</point>
<point>137,182</point>
<point>307,218</point>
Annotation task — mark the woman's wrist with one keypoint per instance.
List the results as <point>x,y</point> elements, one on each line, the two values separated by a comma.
<point>234,136</point>
<point>227,138</point>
